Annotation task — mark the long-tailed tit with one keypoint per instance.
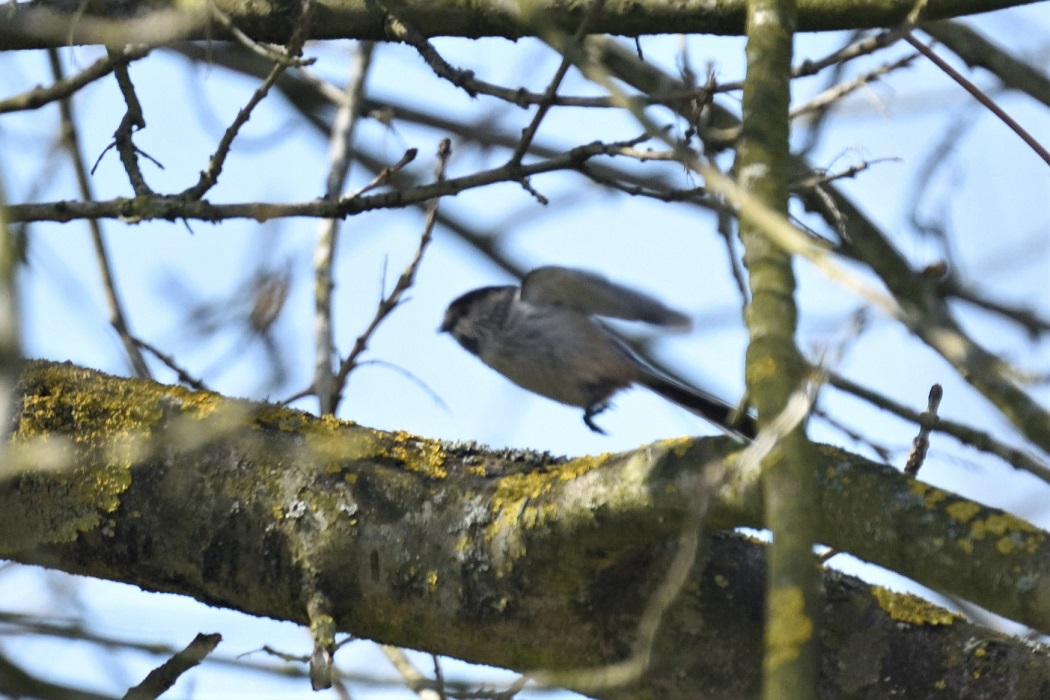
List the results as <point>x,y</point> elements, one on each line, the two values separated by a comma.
<point>542,336</point>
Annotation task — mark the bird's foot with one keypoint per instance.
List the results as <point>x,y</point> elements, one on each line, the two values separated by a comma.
<point>590,412</point>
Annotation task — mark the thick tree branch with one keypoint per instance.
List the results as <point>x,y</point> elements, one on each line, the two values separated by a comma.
<point>30,25</point>
<point>512,559</point>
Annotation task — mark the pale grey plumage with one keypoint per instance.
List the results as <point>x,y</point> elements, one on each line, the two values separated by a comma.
<point>543,338</point>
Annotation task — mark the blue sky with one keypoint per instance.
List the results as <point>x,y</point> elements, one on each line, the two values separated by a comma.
<point>990,193</point>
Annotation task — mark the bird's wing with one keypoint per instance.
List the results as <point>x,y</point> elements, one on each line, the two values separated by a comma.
<point>594,295</point>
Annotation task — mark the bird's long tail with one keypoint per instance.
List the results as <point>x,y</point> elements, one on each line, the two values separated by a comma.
<point>709,407</point>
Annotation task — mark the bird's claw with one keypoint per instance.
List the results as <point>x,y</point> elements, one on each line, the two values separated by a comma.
<point>588,417</point>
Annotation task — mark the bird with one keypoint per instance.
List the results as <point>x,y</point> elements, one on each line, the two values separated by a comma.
<point>543,336</point>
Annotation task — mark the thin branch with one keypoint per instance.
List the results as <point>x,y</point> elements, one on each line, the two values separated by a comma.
<point>979,95</point>
<point>529,133</point>
<point>921,443</point>
<point>817,177</point>
<point>210,175</point>
<point>820,103</point>
<point>385,175</point>
<point>162,678</point>
<point>132,121</point>
<point>169,361</point>
<point>328,229</point>
<point>1028,318</point>
<point>414,679</point>
<point>977,439</point>
<point>269,53</point>
<point>404,282</point>
<point>71,138</point>
<point>175,208</point>
<point>816,124</point>
<point>40,96</point>
<point>969,45</point>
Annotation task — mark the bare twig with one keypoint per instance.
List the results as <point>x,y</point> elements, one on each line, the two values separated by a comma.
<point>692,194</point>
<point>404,282</point>
<point>979,95</point>
<point>328,229</point>
<point>172,208</point>
<point>814,125</point>
<point>164,676</point>
<point>978,439</point>
<point>821,102</point>
<point>210,175</point>
<point>384,176</point>
<point>439,675</point>
<point>267,52</point>
<point>414,679</point>
<point>39,96</point>
<point>921,444</point>
<point>71,138</point>
<point>973,48</point>
<point>169,361</point>
<point>132,121</point>
<point>816,178</point>
<point>882,451</point>
<point>529,133</point>
<point>1028,318</point>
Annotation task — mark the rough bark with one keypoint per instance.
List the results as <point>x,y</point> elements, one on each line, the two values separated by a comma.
<point>54,24</point>
<point>514,559</point>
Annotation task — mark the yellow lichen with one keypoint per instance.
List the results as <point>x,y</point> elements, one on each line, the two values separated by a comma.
<point>677,446</point>
<point>790,626</point>
<point>511,510</point>
<point>419,455</point>
<point>911,609</point>
<point>930,495</point>
<point>581,465</point>
<point>1012,533</point>
<point>1001,524</point>
<point>963,511</point>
